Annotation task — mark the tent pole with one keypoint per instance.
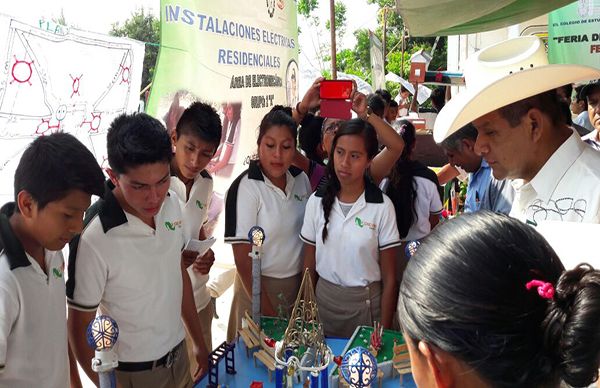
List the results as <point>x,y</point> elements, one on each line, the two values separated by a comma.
<point>385,9</point>
<point>402,59</point>
<point>332,30</point>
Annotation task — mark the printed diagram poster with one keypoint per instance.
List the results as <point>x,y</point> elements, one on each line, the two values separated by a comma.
<point>61,80</point>
<point>574,34</point>
<point>240,57</point>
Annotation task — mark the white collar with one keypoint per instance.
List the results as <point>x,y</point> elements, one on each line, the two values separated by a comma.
<point>547,178</point>
<point>289,185</point>
<point>593,136</point>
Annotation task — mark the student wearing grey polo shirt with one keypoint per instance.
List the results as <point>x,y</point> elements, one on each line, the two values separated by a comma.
<point>127,264</point>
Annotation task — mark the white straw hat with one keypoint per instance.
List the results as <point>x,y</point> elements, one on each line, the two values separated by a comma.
<point>501,74</point>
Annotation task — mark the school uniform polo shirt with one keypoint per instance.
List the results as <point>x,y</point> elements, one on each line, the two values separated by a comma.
<point>132,273</point>
<point>252,199</point>
<point>426,203</point>
<point>567,187</point>
<point>195,214</point>
<point>350,255</point>
<point>33,325</point>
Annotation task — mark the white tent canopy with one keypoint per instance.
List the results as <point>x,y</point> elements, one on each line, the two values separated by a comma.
<point>454,17</point>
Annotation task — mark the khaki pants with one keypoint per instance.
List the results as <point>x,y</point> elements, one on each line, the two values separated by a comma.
<point>342,309</point>
<point>177,376</point>
<point>282,293</point>
<point>205,315</point>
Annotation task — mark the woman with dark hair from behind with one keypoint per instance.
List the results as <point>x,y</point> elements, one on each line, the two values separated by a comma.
<point>486,302</point>
<point>413,188</point>
<point>309,140</point>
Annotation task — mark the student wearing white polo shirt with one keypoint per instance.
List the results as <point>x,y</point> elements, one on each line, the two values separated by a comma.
<point>127,263</point>
<point>54,182</point>
<point>195,140</point>
<point>350,237</point>
<point>271,194</point>
<point>413,189</point>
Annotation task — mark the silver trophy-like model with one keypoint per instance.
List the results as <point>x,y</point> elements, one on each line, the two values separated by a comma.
<point>256,235</point>
<point>102,334</point>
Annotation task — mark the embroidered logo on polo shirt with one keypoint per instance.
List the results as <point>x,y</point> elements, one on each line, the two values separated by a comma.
<point>200,204</point>
<point>173,225</point>
<point>57,273</point>
<point>361,224</point>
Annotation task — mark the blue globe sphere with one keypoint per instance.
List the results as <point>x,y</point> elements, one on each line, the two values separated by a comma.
<point>256,235</point>
<point>411,248</point>
<point>102,333</point>
<point>359,367</point>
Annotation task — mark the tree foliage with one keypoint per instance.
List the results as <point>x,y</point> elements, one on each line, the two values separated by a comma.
<point>340,20</point>
<point>306,7</point>
<point>146,28</point>
<point>358,59</point>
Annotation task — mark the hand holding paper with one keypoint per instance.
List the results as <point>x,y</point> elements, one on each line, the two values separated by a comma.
<point>198,253</point>
<point>199,246</point>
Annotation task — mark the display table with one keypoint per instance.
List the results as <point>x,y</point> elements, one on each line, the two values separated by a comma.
<point>247,372</point>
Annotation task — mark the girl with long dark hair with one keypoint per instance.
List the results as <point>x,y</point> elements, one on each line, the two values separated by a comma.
<point>350,237</point>
<point>272,194</point>
<point>413,189</point>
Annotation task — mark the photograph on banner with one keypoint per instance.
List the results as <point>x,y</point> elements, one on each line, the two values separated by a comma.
<point>291,84</point>
<point>58,78</point>
<point>241,58</point>
<point>574,34</point>
<point>224,160</point>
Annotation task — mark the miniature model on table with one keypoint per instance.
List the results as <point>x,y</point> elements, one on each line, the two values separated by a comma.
<point>256,235</point>
<point>303,348</point>
<point>386,343</point>
<point>102,334</point>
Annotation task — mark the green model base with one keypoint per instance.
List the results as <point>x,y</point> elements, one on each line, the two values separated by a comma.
<point>274,327</point>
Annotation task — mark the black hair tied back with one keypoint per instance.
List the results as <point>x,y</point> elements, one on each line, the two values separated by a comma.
<point>572,327</point>
<point>467,291</point>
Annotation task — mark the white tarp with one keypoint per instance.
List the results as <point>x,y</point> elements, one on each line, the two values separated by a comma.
<point>571,241</point>
<point>423,91</point>
<point>69,80</point>
<point>377,63</point>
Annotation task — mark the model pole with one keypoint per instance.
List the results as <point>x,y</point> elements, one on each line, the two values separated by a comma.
<point>256,235</point>
<point>278,376</point>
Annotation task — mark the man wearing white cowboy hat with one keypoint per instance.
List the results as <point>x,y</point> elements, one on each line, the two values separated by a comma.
<point>510,97</point>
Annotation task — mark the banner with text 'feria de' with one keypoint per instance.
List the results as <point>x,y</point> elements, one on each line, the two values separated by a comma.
<point>574,34</point>
<point>241,56</point>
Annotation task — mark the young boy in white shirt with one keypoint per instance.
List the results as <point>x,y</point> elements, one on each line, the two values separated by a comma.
<point>195,141</point>
<point>54,182</point>
<point>127,264</point>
